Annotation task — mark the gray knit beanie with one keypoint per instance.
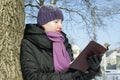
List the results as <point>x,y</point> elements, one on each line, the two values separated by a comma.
<point>48,13</point>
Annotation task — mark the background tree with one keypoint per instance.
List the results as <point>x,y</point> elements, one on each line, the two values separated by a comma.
<point>11,31</point>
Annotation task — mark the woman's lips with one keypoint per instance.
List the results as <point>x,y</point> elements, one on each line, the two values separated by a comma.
<point>58,30</point>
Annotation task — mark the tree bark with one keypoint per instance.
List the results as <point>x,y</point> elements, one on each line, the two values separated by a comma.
<point>11,32</point>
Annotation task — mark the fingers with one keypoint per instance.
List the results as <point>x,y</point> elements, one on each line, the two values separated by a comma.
<point>100,57</point>
<point>96,59</point>
<point>91,61</point>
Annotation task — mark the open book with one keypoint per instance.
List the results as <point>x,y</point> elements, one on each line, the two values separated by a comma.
<point>93,48</point>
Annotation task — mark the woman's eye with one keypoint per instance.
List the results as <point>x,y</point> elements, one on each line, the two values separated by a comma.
<point>56,21</point>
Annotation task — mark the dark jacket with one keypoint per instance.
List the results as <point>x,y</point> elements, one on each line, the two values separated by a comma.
<point>36,56</point>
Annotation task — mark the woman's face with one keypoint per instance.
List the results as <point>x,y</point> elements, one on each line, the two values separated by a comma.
<point>54,26</point>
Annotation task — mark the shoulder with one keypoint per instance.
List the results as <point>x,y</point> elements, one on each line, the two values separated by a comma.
<point>25,44</point>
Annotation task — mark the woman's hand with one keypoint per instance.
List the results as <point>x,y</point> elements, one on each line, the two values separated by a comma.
<point>94,62</point>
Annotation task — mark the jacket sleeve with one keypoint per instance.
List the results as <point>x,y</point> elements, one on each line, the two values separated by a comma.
<point>31,71</point>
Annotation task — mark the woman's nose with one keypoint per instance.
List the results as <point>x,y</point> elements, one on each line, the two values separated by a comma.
<point>60,25</point>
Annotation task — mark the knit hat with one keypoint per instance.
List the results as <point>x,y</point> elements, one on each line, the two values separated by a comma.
<point>48,13</point>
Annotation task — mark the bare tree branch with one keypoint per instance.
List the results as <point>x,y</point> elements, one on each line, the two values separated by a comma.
<point>107,12</point>
<point>31,15</point>
<point>32,5</point>
<point>54,2</point>
<point>41,2</point>
<point>37,2</point>
<point>93,17</point>
<point>83,18</point>
<point>76,11</point>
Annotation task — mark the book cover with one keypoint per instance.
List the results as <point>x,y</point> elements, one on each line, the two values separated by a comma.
<point>93,48</point>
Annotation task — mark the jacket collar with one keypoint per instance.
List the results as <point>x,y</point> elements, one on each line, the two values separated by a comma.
<point>37,36</point>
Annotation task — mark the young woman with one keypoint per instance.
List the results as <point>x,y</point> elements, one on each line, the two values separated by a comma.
<point>46,53</point>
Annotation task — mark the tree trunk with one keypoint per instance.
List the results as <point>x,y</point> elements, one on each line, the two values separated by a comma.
<point>11,32</point>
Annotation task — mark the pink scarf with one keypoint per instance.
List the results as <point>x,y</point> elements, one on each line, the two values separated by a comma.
<point>61,57</point>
